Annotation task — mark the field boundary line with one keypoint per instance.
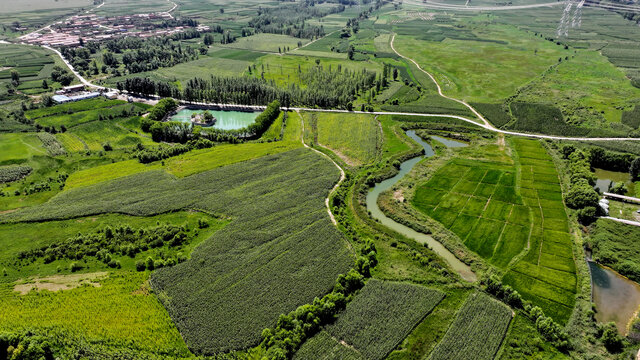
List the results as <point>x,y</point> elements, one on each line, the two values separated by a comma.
<point>335,187</point>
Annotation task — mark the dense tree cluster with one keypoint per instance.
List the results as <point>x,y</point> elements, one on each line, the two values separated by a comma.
<point>161,109</point>
<point>25,346</point>
<point>325,88</point>
<point>289,19</point>
<point>147,155</point>
<point>62,76</point>
<point>264,120</point>
<point>105,243</point>
<point>581,195</point>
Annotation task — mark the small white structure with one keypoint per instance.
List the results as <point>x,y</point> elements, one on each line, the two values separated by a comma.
<point>111,95</point>
<point>604,205</point>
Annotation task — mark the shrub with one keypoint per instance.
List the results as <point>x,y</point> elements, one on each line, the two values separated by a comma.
<point>14,173</point>
<point>587,215</point>
<point>140,265</point>
<point>611,339</point>
<point>581,195</point>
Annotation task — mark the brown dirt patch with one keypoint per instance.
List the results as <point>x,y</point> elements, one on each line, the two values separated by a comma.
<point>59,282</point>
<point>398,195</point>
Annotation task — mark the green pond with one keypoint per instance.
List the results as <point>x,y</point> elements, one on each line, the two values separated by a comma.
<point>227,120</point>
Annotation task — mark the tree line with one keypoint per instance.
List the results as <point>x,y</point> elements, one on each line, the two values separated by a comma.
<point>325,88</point>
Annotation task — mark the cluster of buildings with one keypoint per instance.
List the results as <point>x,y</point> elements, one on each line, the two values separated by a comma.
<point>85,28</point>
<point>77,93</point>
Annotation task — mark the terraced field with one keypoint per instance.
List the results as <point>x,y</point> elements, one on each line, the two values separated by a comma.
<point>499,212</point>
<point>547,274</point>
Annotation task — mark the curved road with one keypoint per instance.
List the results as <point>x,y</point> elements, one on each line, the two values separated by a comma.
<point>486,124</point>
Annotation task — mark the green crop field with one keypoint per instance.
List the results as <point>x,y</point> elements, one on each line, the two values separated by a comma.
<point>286,260</point>
<point>547,274</point>
<point>267,42</point>
<point>382,315</point>
<point>118,312</point>
<point>125,236</point>
<point>324,347</point>
<point>477,331</point>
<point>499,218</point>
<point>16,147</point>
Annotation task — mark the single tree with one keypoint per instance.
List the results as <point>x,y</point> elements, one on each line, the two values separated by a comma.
<point>634,169</point>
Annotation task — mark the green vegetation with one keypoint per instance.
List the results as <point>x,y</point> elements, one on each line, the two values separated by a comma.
<point>324,347</point>
<point>14,172</point>
<point>355,138</point>
<point>120,312</point>
<point>495,70</point>
<point>477,331</point>
<point>613,245</point>
<point>382,315</point>
<point>322,255</point>
<point>546,275</point>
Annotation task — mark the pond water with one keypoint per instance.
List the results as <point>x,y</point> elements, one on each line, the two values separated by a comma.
<point>226,120</point>
<point>617,298</point>
<point>449,142</point>
<point>606,178</point>
<point>372,205</point>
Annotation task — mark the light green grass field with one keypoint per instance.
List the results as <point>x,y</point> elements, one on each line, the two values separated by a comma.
<point>33,5</point>
<point>16,147</point>
<point>355,138</point>
<point>483,71</point>
<point>588,81</point>
<point>119,312</point>
<point>266,42</point>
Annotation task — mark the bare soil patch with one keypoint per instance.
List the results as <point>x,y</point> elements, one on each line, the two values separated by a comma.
<point>59,282</point>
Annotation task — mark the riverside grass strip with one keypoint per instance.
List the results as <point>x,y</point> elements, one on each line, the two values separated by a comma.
<point>477,332</point>
<point>382,315</point>
<point>279,251</point>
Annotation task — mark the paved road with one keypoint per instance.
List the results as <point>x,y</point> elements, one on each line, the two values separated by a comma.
<point>486,125</point>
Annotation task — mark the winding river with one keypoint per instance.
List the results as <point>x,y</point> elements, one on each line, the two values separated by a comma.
<point>372,205</point>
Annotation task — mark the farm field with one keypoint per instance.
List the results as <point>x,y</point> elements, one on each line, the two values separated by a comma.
<point>267,43</point>
<point>494,71</point>
<point>355,138</point>
<point>501,218</point>
<point>120,312</point>
<point>382,315</point>
<point>323,234</point>
<point>546,275</point>
<point>19,147</point>
<point>477,331</point>
<point>323,253</point>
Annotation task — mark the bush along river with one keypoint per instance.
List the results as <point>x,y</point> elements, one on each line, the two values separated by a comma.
<point>372,205</point>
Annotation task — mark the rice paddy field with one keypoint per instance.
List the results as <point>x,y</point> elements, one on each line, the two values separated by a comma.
<point>504,210</point>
